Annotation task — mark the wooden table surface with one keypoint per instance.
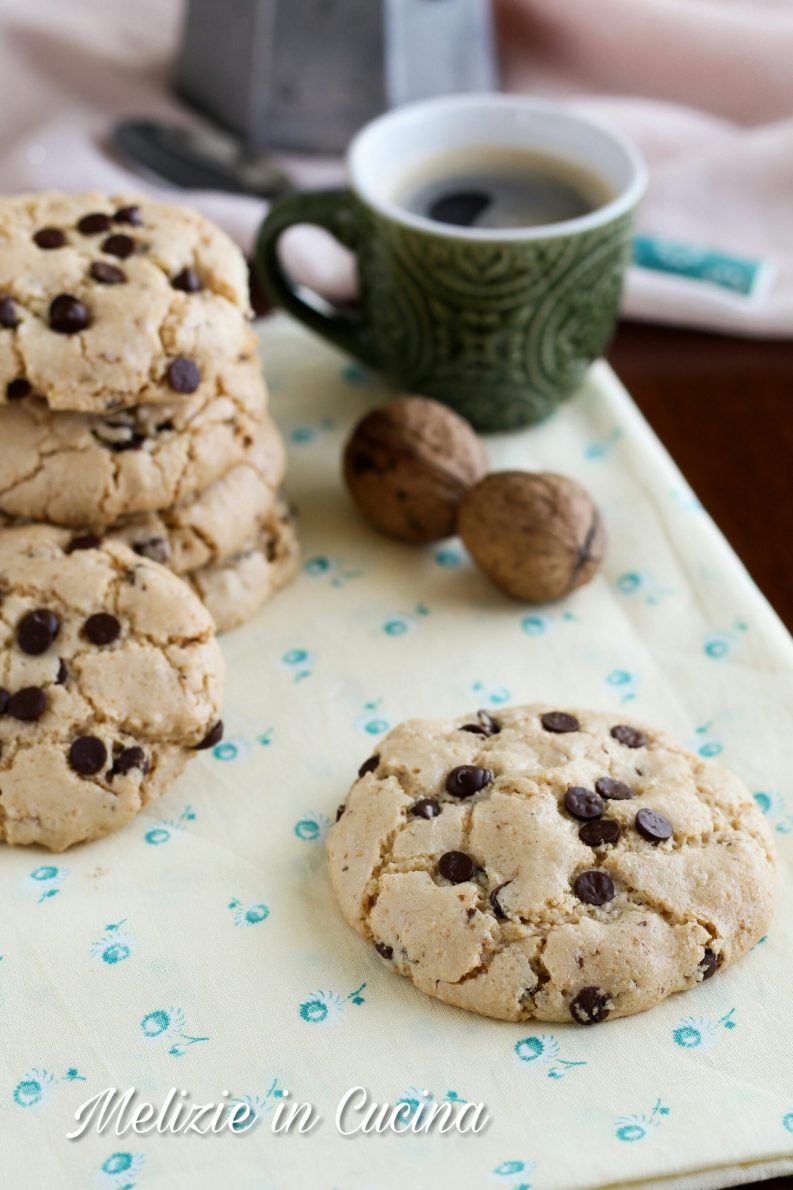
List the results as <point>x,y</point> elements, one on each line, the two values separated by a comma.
<point>723,407</point>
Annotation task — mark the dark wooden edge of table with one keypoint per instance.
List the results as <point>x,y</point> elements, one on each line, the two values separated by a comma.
<point>723,407</point>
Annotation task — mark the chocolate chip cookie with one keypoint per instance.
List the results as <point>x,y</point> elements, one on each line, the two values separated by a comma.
<point>110,680</point>
<point>219,523</point>
<point>109,302</point>
<point>235,589</point>
<point>88,469</point>
<point>551,864</point>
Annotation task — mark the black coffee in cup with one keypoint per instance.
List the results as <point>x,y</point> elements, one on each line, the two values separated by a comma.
<point>493,187</point>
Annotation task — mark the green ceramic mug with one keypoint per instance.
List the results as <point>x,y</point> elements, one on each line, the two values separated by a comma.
<point>501,324</point>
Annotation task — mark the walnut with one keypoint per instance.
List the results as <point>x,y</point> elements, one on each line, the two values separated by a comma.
<point>538,536</point>
<point>408,464</point>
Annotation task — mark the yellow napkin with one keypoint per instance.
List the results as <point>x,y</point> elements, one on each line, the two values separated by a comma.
<point>201,949</point>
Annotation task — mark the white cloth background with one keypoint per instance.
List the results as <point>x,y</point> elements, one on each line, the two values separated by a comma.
<point>704,86</point>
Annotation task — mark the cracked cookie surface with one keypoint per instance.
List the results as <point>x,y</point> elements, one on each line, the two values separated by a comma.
<point>550,864</point>
<point>110,680</point>
<point>85,469</point>
<point>111,301</point>
<point>235,589</point>
<point>220,522</point>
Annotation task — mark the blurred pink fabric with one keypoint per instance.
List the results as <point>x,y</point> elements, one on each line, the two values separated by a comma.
<point>705,87</point>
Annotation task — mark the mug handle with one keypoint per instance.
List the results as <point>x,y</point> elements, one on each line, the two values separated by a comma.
<point>335,211</point>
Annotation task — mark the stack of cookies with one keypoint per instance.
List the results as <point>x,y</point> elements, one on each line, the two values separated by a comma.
<point>132,403</point>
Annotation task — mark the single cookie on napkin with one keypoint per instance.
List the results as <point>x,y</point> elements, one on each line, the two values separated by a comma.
<point>551,865</point>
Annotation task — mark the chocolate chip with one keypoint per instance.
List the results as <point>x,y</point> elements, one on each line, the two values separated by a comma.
<point>188,281</point>
<point>653,826</point>
<point>119,245</point>
<point>559,722</point>
<point>594,888</point>
<point>600,832</point>
<point>86,541</point>
<point>487,721</point>
<point>128,759</point>
<point>495,904</point>
<point>583,803</point>
<point>467,779</point>
<point>589,1007</point>
<point>37,630</point>
<point>87,755</point>
<point>129,215</point>
<point>631,737</point>
<point>184,375</point>
<point>4,697</point>
<point>340,810</point>
<point>369,765</point>
<point>91,225</point>
<point>426,807</point>
<point>708,963</point>
<point>212,737</point>
<point>8,314</point>
<point>133,441</point>
<point>102,628</point>
<point>117,432</point>
<point>107,274</point>
<point>62,676</point>
<point>456,866</point>
<point>49,237</point>
<point>486,726</point>
<point>156,549</point>
<point>67,315</point>
<point>616,791</point>
<point>384,949</point>
<point>17,389</point>
<point>28,704</point>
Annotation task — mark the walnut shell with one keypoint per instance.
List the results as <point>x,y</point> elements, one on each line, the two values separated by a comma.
<point>408,464</point>
<point>538,536</point>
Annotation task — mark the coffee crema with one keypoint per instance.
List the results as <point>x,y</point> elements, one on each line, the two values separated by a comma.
<point>501,188</point>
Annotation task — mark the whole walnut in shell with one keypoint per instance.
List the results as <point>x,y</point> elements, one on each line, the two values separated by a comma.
<point>538,536</point>
<point>408,464</point>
